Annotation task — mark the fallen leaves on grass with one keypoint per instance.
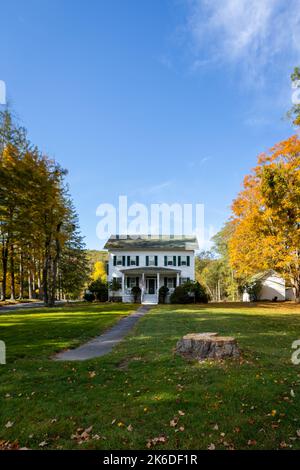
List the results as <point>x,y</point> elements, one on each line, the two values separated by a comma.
<point>173,422</point>
<point>82,435</point>
<point>9,424</point>
<point>156,440</point>
<point>7,445</point>
<point>252,442</point>
<point>211,446</point>
<point>43,444</point>
<point>92,374</point>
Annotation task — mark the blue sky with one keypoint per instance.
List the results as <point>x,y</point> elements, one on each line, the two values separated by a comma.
<point>160,100</point>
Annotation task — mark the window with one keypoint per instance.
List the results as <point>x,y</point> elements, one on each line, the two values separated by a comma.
<point>171,282</point>
<point>170,260</point>
<point>119,260</point>
<point>183,280</point>
<point>131,282</point>
<point>183,260</point>
<point>151,260</point>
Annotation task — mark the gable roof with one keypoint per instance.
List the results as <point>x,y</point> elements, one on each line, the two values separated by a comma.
<point>148,242</point>
<point>261,276</point>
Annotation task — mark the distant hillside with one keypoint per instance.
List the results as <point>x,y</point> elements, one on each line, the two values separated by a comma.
<point>96,255</point>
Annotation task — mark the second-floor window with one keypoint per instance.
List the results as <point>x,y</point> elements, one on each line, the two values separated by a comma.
<point>119,260</point>
<point>133,260</point>
<point>170,260</point>
<point>151,260</point>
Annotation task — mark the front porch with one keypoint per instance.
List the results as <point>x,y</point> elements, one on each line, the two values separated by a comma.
<point>149,279</point>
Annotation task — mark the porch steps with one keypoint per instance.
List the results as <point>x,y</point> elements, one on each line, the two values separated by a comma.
<point>149,299</point>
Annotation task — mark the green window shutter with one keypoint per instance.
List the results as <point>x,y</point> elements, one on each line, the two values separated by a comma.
<point>147,260</point>
<point>123,261</point>
<point>137,281</point>
<point>107,269</point>
<point>188,279</point>
<point>166,260</point>
<point>156,260</point>
<point>188,260</point>
<point>174,282</point>
<point>179,260</point>
<point>128,260</point>
<point>137,260</point>
<point>165,281</point>
<point>174,260</point>
<point>127,282</point>
<point>115,261</point>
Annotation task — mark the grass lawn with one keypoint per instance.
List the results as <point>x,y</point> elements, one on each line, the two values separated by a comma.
<point>139,391</point>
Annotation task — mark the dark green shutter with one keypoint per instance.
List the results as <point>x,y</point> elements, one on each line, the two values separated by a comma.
<point>174,260</point>
<point>174,282</point>
<point>123,260</point>
<point>165,281</point>
<point>115,261</point>
<point>147,260</point>
<point>128,260</point>
<point>107,269</point>
<point>179,260</point>
<point>156,260</point>
<point>127,282</point>
<point>137,281</point>
<point>188,260</point>
<point>166,261</point>
<point>137,260</point>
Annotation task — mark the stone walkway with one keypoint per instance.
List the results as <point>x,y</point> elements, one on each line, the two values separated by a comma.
<point>104,343</point>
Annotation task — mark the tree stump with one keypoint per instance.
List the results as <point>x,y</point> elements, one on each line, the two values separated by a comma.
<point>207,345</point>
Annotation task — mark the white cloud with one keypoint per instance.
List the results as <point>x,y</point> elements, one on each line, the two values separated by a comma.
<point>251,32</point>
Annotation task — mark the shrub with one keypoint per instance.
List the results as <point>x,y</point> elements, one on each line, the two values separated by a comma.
<point>180,296</point>
<point>99,289</point>
<point>189,292</point>
<point>89,297</point>
<point>162,294</point>
<point>136,292</point>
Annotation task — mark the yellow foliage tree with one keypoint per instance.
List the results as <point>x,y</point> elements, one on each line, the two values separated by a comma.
<point>99,272</point>
<point>266,216</point>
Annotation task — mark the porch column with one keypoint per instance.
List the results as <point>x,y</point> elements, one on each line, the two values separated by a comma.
<point>123,285</point>
<point>177,279</point>
<point>143,287</point>
<point>158,277</point>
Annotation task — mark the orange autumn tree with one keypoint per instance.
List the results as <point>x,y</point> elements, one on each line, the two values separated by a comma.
<point>266,216</point>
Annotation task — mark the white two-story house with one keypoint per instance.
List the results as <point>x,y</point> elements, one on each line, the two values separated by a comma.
<point>150,262</point>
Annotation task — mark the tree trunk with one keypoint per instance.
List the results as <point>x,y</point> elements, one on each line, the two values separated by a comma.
<point>12,273</point>
<point>39,283</point>
<point>21,274</point>
<point>4,268</point>
<point>296,290</point>
<point>33,284</point>
<point>29,285</point>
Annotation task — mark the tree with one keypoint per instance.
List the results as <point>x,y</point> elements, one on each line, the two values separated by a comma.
<point>294,113</point>
<point>42,251</point>
<point>99,272</point>
<point>266,216</point>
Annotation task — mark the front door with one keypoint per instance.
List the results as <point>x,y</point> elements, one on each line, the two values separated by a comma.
<point>151,286</point>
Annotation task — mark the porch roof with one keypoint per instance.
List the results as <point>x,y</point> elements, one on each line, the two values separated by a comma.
<point>150,270</point>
